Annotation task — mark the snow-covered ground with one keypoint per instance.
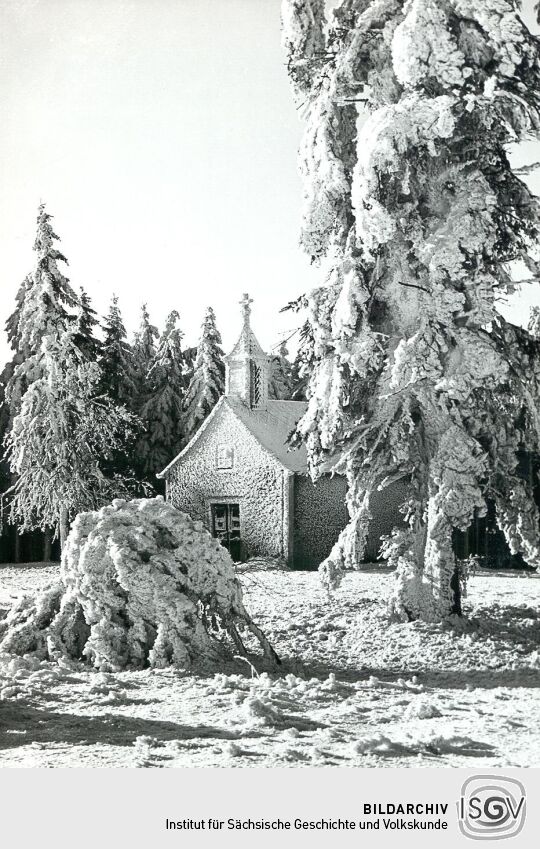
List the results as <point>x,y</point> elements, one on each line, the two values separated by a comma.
<point>353,690</point>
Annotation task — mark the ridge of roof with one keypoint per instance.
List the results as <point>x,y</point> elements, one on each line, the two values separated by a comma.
<point>195,438</point>
<point>271,427</point>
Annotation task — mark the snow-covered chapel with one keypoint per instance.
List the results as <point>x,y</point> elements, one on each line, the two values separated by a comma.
<point>240,477</point>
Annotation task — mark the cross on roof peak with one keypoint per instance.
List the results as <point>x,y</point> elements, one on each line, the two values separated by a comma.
<point>245,303</point>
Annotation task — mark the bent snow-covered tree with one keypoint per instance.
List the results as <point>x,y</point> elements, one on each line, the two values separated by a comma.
<point>410,197</point>
<point>141,584</point>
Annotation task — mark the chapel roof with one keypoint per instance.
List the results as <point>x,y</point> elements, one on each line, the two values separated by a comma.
<point>271,427</point>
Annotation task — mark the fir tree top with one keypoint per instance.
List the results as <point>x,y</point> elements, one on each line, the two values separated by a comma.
<point>168,361</point>
<point>44,303</point>
<point>161,412</point>
<point>85,323</point>
<point>47,296</point>
<point>145,341</point>
<point>117,360</point>
<point>208,381</point>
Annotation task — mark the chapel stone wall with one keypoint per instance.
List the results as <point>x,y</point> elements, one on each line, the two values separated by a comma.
<point>254,480</point>
<point>320,513</point>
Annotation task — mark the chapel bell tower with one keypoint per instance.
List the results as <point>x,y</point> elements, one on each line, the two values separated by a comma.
<point>247,366</point>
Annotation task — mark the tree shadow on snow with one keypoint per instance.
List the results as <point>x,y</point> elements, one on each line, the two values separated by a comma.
<point>504,623</point>
<point>21,725</point>
<point>487,679</point>
<point>453,679</point>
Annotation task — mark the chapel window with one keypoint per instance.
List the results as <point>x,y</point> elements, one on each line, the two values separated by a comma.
<point>224,456</point>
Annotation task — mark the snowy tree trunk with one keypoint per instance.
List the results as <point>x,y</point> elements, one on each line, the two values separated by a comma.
<point>440,562</point>
<point>428,585</point>
<point>17,547</point>
<point>64,526</point>
<point>47,543</point>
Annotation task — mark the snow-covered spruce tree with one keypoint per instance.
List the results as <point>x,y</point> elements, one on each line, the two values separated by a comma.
<point>12,390</point>
<point>190,355</point>
<point>43,302</point>
<point>410,197</point>
<point>86,322</point>
<point>161,414</point>
<point>60,437</point>
<point>141,584</point>
<point>299,379</point>
<point>12,322</point>
<point>118,382</point>
<point>208,381</point>
<point>280,382</point>
<point>5,423</point>
<point>302,363</point>
<point>116,361</point>
<point>144,350</point>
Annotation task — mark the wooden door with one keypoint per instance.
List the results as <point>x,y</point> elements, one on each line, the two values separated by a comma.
<point>226,527</point>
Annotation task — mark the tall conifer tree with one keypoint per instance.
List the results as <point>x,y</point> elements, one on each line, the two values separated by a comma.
<point>45,302</point>
<point>144,351</point>
<point>118,376</point>
<point>61,437</point>
<point>61,428</point>
<point>410,196</point>
<point>208,381</point>
<point>161,413</point>
<point>86,322</point>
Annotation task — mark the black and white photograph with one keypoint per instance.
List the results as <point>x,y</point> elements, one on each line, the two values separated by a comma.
<point>270,384</point>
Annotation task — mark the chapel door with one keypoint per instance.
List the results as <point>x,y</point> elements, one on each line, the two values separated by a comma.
<point>226,527</point>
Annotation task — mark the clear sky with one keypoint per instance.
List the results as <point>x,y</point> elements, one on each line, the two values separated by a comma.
<point>162,136</point>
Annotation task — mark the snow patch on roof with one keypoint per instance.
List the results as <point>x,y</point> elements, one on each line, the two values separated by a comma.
<point>272,427</point>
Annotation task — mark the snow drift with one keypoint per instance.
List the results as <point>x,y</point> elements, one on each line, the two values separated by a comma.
<point>141,584</point>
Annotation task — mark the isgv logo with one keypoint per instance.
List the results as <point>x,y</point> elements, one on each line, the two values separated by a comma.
<point>491,807</point>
